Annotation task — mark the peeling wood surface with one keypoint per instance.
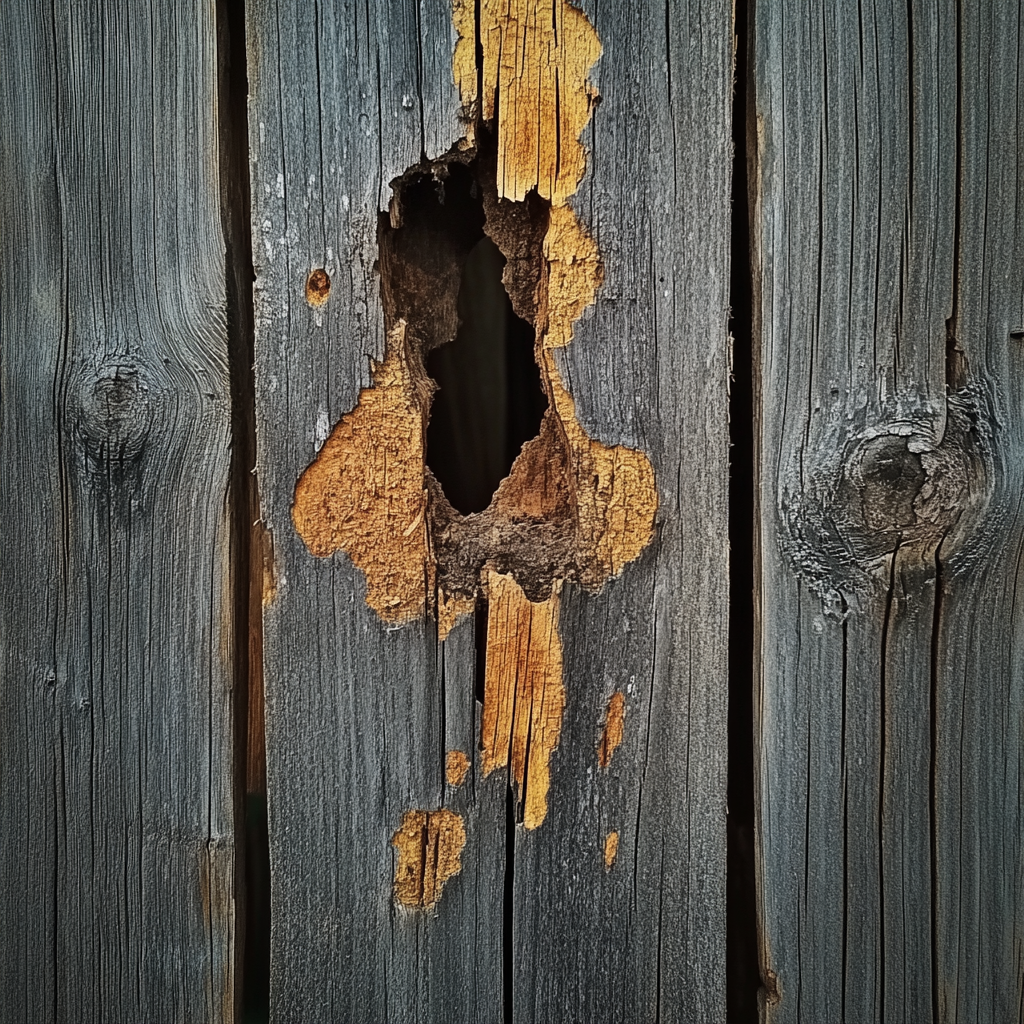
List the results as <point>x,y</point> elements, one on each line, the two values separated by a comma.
<point>891,685</point>
<point>562,921</point>
<point>117,636</point>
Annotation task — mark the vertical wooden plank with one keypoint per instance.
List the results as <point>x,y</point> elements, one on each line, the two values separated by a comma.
<point>979,718</point>
<point>339,107</point>
<point>589,885</point>
<point>645,940</point>
<point>890,702</point>
<point>116,629</point>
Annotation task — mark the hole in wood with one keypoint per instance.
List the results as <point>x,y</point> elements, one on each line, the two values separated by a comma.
<point>318,287</point>
<point>443,274</point>
<point>489,401</point>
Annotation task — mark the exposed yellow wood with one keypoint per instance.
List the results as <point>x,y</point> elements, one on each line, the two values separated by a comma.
<point>449,610</point>
<point>536,58</point>
<point>523,693</point>
<point>429,845</point>
<point>611,849</point>
<point>611,734</point>
<point>457,767</point>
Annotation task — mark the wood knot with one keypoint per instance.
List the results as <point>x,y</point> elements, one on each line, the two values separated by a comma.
<point>115,407</point>
<point>900,488</point>
<point>905,483</point>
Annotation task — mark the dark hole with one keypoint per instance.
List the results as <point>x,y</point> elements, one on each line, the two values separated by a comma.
<point>489,400</point>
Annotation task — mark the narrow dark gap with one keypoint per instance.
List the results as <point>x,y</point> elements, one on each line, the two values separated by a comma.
<point>742,972</point>
<point>252,866</point>
<point>489,400</point>
<point>480,627</point>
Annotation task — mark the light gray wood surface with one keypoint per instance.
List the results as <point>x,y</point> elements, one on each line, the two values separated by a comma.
<point>116,630</point>
<point>344,98</point>
<point>890,688</point>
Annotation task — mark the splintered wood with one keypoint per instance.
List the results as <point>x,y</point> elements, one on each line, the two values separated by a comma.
<point>523,692</point>
<point>368,492</point>
<point>429,845</point>
<point>536,57</point>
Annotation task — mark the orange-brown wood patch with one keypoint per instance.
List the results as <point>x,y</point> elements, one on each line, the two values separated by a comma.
<point>611,849</point>
<point>611,734</point>
<point>456,767</point>
<point>523,693</point>
<point>364,494</point>
<point>429,847</point>
<point>536,58</point>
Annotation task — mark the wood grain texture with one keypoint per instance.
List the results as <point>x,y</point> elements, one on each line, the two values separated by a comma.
<point>116,629</point>
<point>890,690</point>
<point>648,368</point>
<point>344,98</point>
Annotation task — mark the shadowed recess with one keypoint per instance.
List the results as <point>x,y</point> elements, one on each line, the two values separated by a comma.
<point>489,401</point>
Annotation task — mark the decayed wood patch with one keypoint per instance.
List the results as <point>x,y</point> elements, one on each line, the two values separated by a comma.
<point>364,492</point>
<point>523,693</point>
<point>572,508</point>
<point>611,734</point>
<point>318,287</point>
<point>429,847</point>
<point>536,58</point>
<point>457,767</point>
<point>611,849</point>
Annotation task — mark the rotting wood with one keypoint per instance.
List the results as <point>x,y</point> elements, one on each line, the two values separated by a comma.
<point>429,844</point>
<point>318,287</point>
<point>572,505</point>
<point>365,491</point>
<point>523,693</point>
<point>611,850</point>
<point>614,724</point>
<point>571,508</point>
<point>456,767</point>
<point>355,128</point>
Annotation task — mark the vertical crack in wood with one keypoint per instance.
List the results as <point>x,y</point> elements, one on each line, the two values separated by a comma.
<point>957,367</point>
<point>743,977</point>
<point>252,549</point>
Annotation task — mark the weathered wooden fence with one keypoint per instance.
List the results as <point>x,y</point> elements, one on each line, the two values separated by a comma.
<point>269,534</point>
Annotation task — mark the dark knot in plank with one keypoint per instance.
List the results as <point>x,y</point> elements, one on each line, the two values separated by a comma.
<point>854,497</point>
<point>115,411</point>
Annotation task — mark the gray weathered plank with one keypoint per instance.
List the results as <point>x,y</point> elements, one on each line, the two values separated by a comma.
<point>116,631</point>
<point>345,97</point>
<point>646,940</point>
<point>890,690</point>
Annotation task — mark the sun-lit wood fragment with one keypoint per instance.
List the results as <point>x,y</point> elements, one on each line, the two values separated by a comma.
<point>523,693</point>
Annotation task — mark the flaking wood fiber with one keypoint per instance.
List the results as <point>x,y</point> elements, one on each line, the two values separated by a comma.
<point>368,492</point>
